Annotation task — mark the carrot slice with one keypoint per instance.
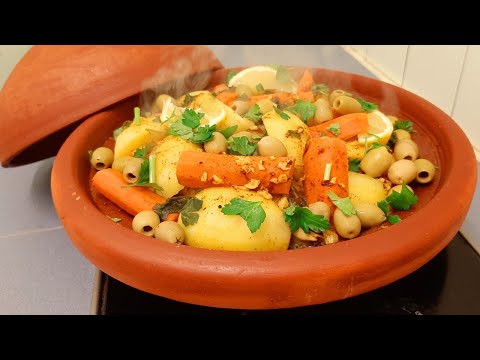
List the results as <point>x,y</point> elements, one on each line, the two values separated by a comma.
<point>306,82</point>
<point>320,152</point>
<point>201,170</point>
<point>281,96</point>
<point>306,95</point>
<point>227,97</point>
<point>220,88</point>
<point>350,125</point>
<point>134,199</point>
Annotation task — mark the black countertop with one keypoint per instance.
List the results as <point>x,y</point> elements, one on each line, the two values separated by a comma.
<point>448,284</point>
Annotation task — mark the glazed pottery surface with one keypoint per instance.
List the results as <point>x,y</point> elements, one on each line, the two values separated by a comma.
<point>282,279</point>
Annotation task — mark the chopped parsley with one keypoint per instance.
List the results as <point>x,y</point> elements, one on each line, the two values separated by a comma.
<point>402,200</point>
<point>189,211</point>
<point>354,165</point>
<point>188,100</point>
<point>383,205</point>
<point>367,106</point>
<point>344,204</point>
<point>191,118</point>
<point>141,153</point>
<point>260,88</point>
<point>144,177</point>
<point>229,131</point>
<point>240,145</point>
<point>250,211</point>
<point>119,130</point>
<point>301,217</point>
<point>393,219</point>
<point>305,109</point>
<point>406,125</point>
<point>281,113</point>
<point>334,129</point>
<point>254,113</point>
<point>188,128</point>
<point>203,134</point>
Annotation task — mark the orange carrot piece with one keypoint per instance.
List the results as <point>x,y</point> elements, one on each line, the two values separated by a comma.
<point>227,97</point>
<point>320,152</point>
<point>306,82</point>
<point>134,199</point>
<point>350,125</point>
<point>173,216</point>
<point>201,170</point>
<point>282,98</point>
<point>220,88</point>
<point>306,95</point>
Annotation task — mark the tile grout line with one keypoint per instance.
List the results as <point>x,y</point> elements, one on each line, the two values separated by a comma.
<point>28,232</point>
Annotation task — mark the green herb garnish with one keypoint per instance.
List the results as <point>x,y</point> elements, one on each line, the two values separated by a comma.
<point>305,109</point>
<point>318,89</point>
<point>383,205</point>
<point>229,77</point>
<point>144,177</point>
<point>344,204</point>
<point>283,115</point>
<point>283,74</point>
<point>354,165</point>
<point>188,100</point>
<point>188,128</point>
<point>300,217</point>
<point>393,219</point>
<point>334,129</point>
<point>367,106</point>
<point>406,125</point>
<point>402,200</point>
<point>141,153</point>
<point>250,211</point>
<point>293,133</point>
<point>203,134</point>
<point>191,118</point>
<point>189,211</point>
<point>254,113</point>
<point>240,145</point>
<point>136,112</point>
<point>260,88</point>
<point>173,204</point>
<point>229,131</point>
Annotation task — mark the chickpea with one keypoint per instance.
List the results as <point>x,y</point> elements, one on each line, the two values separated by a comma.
<point>402,171</point>
<point>161,101</point>
<point>170,232</point>
<point>347,227</point>
<point>336,93</point>
<point>322,114</point>
<point>240,107</point>
<point>217,145</point>
<point>145,222</point>
<point>102,158</point>
<point>120,162</point>
<point>369,215</point>
<point>241,89</point>
<point>425,171</point>
<point>398,188</point>
<point>405,149</point>
<point>265,105</point>
<point>401,134</point>
<point>320,208</point>
<point>271,146</point>
<point>346,105</point>
<point>242,133</point>
<point>376,162</point>
<point>131,170</point>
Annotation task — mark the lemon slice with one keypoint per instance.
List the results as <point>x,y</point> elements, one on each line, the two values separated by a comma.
<point>265,75</point>
<point>170,111</point>
<point>213,109</point>
<point>380,129</point>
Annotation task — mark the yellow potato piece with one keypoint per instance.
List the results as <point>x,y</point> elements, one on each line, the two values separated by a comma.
<point>364,189</point>
<point>217,231</point>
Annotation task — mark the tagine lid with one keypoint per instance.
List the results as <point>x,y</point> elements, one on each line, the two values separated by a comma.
<point>54,87</point>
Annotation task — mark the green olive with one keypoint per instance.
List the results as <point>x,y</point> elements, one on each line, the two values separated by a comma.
<point>170,231</point>
<point>405,149</point>
<point>271,146</point>
<point>217,145</point>
<point>398,188</point>
<point>131,170</point>
<point>401,134</point>
<point>320,208</point>
<point>369,215</point>
<point>160,102</point>
<point>336,93</point>
<point>402,171</point>
<point>347,227</point>
<point>376,162</point>
<point>241,89</point>
<point>322,114</point>
<point>120,162</point>
<point>145,222</point>
<point>346,105</point>
<point>425,171</point>
<point>241,107</point>
<point>101,158</point>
